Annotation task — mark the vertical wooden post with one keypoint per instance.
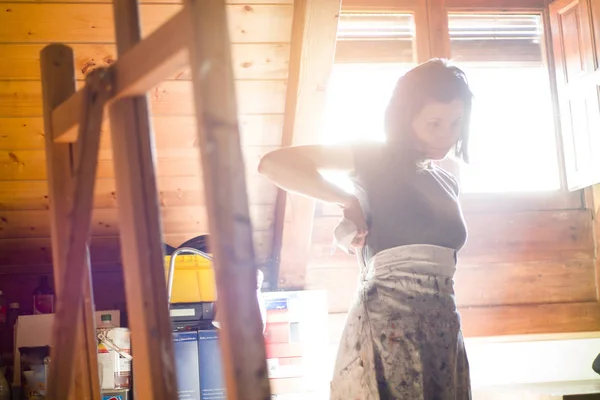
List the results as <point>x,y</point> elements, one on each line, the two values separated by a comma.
<point>58,84</point>
<point>140,230</point>
<point>242,342</point>
<point>421,48</point>
<point>439,35</point>
<point>314,34</point>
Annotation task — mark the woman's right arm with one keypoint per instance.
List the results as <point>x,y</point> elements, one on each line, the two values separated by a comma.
<point>296,169</point>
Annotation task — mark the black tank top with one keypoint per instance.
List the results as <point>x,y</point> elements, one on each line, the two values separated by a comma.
<point>402,207</point>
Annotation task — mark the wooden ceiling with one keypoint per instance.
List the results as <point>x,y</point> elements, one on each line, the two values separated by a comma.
<point>261,36</point>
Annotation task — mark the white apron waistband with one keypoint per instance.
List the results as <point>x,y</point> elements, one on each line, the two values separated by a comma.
<point>418,258</point>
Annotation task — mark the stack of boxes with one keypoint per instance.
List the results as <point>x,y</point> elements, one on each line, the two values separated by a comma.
<point>296,336</point>
<point>296,341</point>
<point>197,353</point>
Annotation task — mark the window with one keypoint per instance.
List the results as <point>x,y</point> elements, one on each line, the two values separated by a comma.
<point>357,97</point>
<point>372,52</point>
<point>513,140</point>
<point>522,222</point>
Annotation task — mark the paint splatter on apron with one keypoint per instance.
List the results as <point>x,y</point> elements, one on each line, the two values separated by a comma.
<point>402,338</point>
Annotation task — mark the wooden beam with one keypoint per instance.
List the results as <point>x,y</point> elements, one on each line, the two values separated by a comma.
<point>421,50</point>
<point>472,5</point>
<point>495,5</point>
<point>164,54</point>
<point>395,6</point>
<point>77,267</point>
<point>492,52</point>
<point>548,55</point>
<point>524,323</point>
<point>140,229</point>
<point>241,339</point>
<point>594,195</point>
<point>530,319</point>
<point>58,83</point>
<point>466,5</point>
<point>314,33</point>
<point>439,35</point>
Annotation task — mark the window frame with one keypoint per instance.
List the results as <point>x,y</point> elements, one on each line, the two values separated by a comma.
<point>435,42</point>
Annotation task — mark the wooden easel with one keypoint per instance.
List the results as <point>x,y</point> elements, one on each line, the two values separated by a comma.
<point>199,35</point>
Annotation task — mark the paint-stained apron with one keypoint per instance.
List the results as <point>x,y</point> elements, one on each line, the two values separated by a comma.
<point>402,338</point>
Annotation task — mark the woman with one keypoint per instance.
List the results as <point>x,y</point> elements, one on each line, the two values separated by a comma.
<point>402,338</point>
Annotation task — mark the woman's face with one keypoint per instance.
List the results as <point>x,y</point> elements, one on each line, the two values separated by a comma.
<point>437,128</point>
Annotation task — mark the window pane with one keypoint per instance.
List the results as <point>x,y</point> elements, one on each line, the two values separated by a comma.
<point>375,38</point>
<point>364,26</point>
<point>357,95</point>
<point>359,88</point>
<point>513,142</point>
<point>372,52</point>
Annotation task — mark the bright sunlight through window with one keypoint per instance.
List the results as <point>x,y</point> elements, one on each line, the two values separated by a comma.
<point>513,142</point>
<point>513,139</point>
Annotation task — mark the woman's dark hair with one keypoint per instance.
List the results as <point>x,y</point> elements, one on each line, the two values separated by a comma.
<point>434,80</point>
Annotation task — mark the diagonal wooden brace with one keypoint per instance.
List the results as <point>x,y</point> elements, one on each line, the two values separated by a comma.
<point>164,53</point>
<point>98,91</point>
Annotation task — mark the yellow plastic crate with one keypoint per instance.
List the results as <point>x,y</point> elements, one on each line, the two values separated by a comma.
<point>194,279</point>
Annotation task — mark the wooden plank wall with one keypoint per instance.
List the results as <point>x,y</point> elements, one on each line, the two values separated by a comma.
<point>521,272</point>
<point>261,35</point>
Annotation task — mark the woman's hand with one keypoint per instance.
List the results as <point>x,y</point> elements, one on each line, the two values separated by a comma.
<point>354,213</point>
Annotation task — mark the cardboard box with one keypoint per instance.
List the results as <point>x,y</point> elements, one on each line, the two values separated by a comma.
<point>186,365</point>
<point>36,330</point>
